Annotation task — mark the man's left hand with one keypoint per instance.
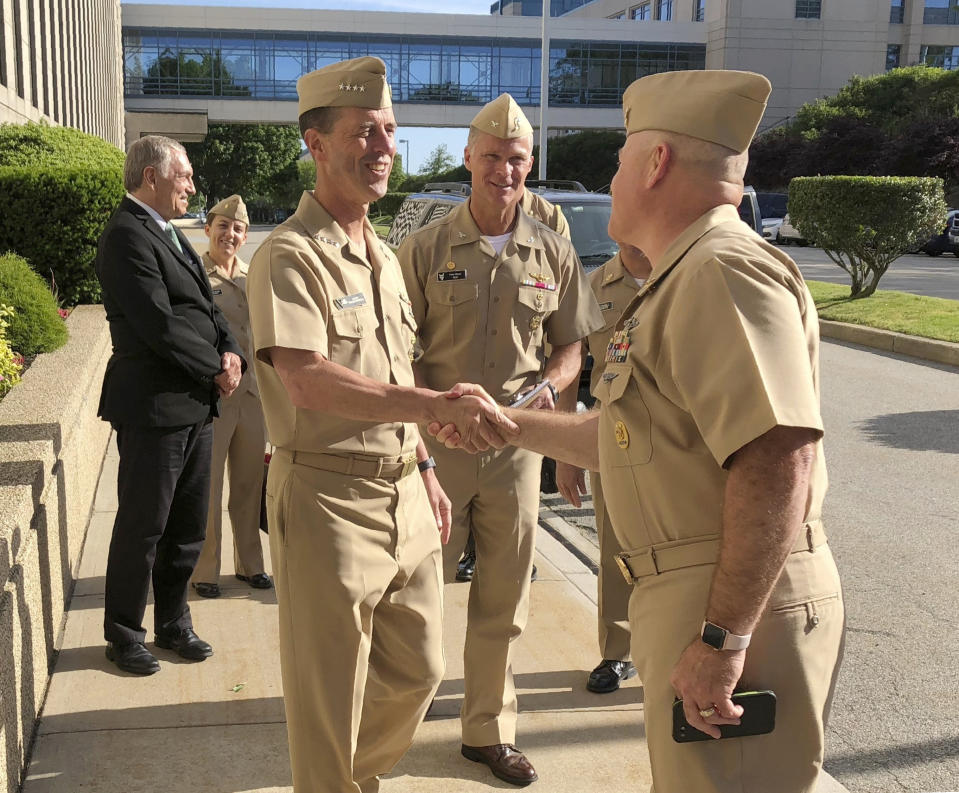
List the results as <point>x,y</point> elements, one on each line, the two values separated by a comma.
<point>229,378</point>
<point>442,506</point>
<point>705,678</point>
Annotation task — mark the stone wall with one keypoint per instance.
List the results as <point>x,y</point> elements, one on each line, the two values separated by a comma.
<point>52,447</point>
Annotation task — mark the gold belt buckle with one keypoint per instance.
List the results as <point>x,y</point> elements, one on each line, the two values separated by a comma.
<point>409,464</point>
<point>624,568</point>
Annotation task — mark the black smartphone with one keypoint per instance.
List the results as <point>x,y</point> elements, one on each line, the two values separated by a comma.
<point>759,718</point>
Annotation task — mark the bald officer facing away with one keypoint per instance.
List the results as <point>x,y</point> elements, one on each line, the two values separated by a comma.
<point>710,449</point>
<point>355,510</point>
<point>489,287</point>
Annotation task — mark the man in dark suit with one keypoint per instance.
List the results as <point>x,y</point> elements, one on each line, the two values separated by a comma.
<point>173,356</point>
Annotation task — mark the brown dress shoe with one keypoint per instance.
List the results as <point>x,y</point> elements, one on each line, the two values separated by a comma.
<point>504,760</point>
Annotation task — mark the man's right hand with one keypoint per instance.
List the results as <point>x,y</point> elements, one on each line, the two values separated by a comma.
<point>473,417</point>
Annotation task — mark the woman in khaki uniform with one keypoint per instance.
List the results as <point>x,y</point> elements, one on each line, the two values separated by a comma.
<point>239,434</point>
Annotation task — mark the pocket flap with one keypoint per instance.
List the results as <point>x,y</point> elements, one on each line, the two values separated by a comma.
<point>355,323</point>
<point>458,292</point>
<point>540,300</point>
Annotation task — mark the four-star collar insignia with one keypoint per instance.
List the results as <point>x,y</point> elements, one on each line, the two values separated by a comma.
<point>327,240</point>
<point>352,87</point>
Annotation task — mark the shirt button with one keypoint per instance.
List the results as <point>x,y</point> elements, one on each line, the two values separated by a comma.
<point>493,332</point>
<point>492,365</point>
<point>496,299</point>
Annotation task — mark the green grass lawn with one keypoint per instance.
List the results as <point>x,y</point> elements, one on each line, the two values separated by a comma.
<point>930,317</point>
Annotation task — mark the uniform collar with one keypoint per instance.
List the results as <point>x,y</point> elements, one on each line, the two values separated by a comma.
<point>210,266</point>
<point>614,270</point>
<point>526,231</point>
<point>321,226</point>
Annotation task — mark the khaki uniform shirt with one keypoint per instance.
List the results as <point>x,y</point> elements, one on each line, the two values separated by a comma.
<point>485,318</point>
<point>545,212</point>
<point>310,290</point>
<point>613,287</point>
<point>719,346</point>
<point>230,296</point>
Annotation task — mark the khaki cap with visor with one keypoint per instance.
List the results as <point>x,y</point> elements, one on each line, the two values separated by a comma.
<point>231,207</point>
<point>359,82</point>
<point>502,118</point>
<point>721,106</point>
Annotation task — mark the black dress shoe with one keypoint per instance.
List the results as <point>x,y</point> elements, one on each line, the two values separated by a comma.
<point>133,657</point>
<point>207,590</point>
<point>186,644</point>
<point>606,677</point>
<point>504,760</point>
<point>466,568</point>
<point>533,576</point>
<point>257,581</point>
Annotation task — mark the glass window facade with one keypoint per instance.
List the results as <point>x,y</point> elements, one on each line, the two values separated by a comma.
<point>941,12</point>
<point>808,9</point>
<point>892,56</point>
<point>944,57</point>
<point>664,10</point>
<point>266,65</point>
<point>699,11</point>
<point>897,12</point>
<point>641,12</point>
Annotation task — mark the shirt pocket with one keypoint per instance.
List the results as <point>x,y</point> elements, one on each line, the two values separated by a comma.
<point>533,307</point>
<point>453,307</point>
<point>350,328</point>
<point>626,432</point>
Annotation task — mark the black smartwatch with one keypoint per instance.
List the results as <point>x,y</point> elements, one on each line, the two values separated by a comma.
<point>425,465</point>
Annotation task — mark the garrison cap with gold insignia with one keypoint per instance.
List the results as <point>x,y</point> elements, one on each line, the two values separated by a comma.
<point>719,105</point>
<point>502,118</point>
<point>359,82</point>
<point>231,207</point>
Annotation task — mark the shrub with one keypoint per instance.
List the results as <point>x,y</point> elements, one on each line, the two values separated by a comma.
<point>388,204</point>
<point>53,216</point>
<point>864,223</point>
<point>40,144</point>
<point>10,362</point>
<point>35,325</point>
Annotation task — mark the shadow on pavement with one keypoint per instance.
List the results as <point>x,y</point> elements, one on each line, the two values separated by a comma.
<point>931,430</point>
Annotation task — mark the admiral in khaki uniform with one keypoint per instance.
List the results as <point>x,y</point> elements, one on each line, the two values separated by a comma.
<point>614,284</point>
<point>239,434</point>
<point>710,448</point>
<point>354,526</point>
<point>489,286</point>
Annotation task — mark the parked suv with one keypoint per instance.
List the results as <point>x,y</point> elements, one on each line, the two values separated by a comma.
<point>947,241</point>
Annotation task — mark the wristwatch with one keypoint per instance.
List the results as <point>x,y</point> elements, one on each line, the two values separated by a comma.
<point>552,391</point>
<point>425,465</point>
<point>720,639</point>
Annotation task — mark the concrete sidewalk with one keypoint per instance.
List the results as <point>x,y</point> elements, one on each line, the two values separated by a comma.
<point>218,726</point>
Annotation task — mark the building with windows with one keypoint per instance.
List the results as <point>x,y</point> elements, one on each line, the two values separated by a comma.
<point>241,64</point>
<point>58,63</point>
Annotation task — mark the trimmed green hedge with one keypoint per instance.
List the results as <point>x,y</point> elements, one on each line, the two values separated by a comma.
<point>388,204</point>
<point>53,216</point>
<point>40,144</point>
<point>35,325</point>
<point>864,223</point>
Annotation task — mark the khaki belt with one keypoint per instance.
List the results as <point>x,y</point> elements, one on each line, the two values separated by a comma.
<point>388,468</point>
<point>653,561</point>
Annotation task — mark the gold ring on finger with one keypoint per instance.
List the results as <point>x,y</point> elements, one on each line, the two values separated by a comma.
<point>707,712</point>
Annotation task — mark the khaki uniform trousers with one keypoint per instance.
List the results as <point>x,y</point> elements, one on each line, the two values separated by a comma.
<point>612,590</point>
<point>357,567</point>
<point>239,441</point>
<point>496,494</point>
<point>794,652</point>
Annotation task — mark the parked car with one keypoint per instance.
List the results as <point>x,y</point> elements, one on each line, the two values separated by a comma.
<point>789,234</point>
<point>771,228</point>
<point>947,241</point>
<point>772,205</point>
<point>749,210</point>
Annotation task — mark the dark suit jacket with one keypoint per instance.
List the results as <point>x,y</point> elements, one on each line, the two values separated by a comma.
<point>168,335</point>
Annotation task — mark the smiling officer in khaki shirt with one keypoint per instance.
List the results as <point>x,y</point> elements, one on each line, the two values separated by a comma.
<point>710,447</point>
<point>354,527</point>
<point>489,287</point>
<point>615,284</point>
<point>239,434</point>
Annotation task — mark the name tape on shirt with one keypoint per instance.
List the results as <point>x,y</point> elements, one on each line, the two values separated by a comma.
<point>451,275</point>
<point>606,306</point>
<point>351,301</point>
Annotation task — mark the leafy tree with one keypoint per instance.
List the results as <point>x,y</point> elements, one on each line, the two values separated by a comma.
<point>397,175</point>
<point>185,75</point>
<point>865,223</point>
<point>438,161</point>
<point>590,157</point>
<point>243,158</point>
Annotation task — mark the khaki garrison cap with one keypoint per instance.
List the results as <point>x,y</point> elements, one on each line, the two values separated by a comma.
<point>232,208</point>
<point>720,106</point>
<point>360,82</point>
<point>502,118</point>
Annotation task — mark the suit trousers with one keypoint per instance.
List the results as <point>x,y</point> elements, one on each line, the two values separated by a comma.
<point>795,652</point>
<point>612,590</point>
<point>496,495</point>
<point>239,441</point>
<point>358,576</point>
<point>163,490</point>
